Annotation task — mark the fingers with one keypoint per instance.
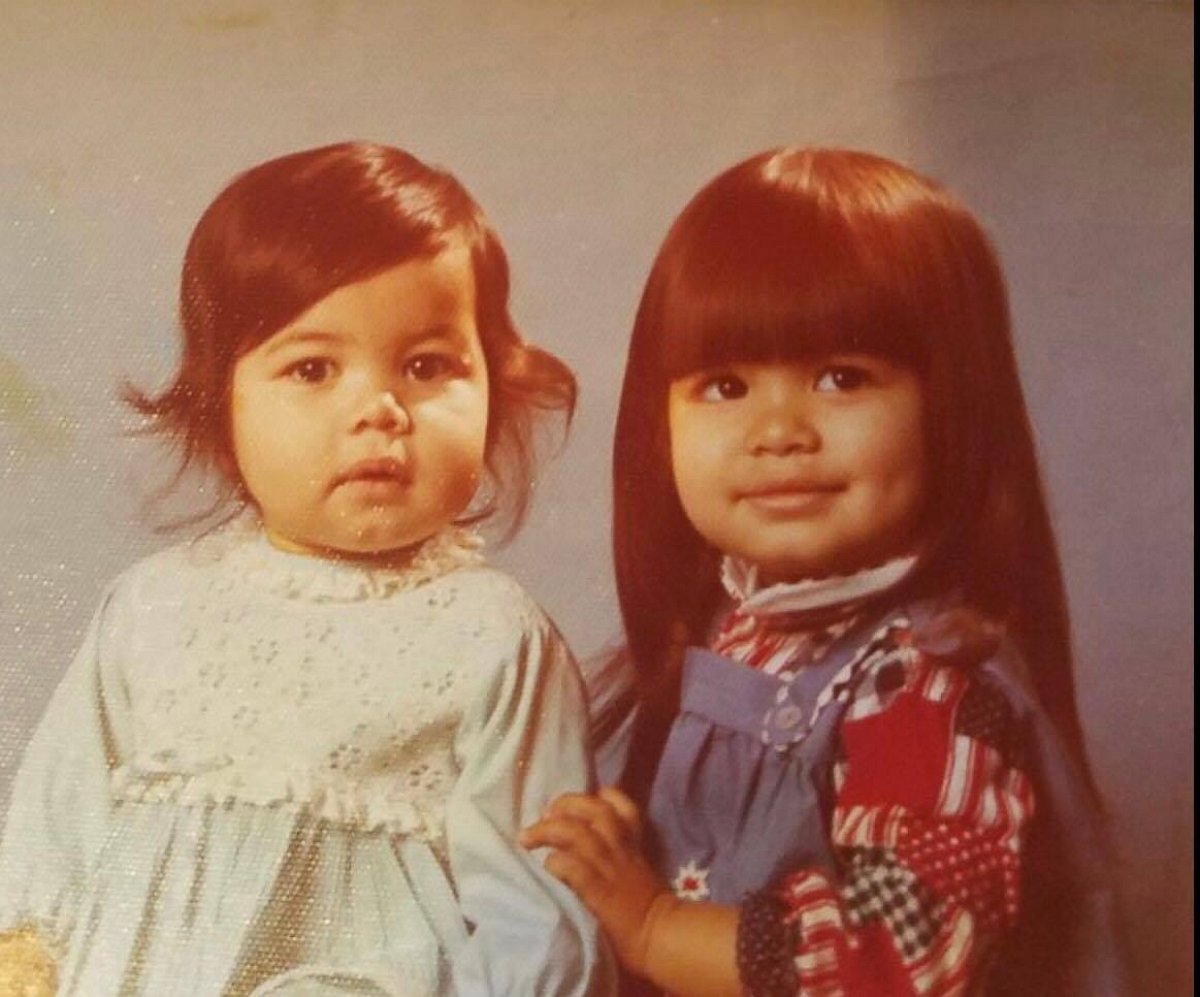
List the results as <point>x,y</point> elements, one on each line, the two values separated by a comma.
<point>610,813</point>
<point>594,852</point>
<point>568,835</point>
<point>559,823</point>
<point>581,806</point>
<point>586,879</point>
<point>625,809</point>
<point>579,857</point>
<point>594,838</point>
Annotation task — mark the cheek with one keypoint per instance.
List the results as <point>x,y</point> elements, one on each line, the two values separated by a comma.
<point>698,462</point>
<point>683,465</point>
<point>693,440</point>
<point>460,456</point>
<point>472,418</point>
<point>273,451</point>
<point>480,422</point>
<point>456,430</point>
<point>898,460</point>
<point>244,434</point>
<point>254,433</point>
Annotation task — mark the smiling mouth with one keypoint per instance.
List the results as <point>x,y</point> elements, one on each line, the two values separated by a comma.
<point>791,488</point>
<point>792,498</point>
<point>380,471</point>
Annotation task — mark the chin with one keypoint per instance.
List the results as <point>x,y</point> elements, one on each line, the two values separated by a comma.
<point>379,541</point>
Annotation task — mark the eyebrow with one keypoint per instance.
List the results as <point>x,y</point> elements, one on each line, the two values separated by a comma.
<point>299,338</point>
<point>319,337</point>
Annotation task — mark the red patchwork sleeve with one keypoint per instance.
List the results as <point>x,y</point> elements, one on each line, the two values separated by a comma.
<point>931,807</point>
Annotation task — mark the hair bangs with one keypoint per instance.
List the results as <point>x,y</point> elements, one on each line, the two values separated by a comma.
<point>728,303</point>
<point>287,233</point>
<point>789,255</point>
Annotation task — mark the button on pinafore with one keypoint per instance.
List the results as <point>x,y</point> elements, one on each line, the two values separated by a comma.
<point>743,791</point>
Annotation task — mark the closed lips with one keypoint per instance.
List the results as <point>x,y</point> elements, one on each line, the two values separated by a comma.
<point>375,469</point>
<point>791,488</point>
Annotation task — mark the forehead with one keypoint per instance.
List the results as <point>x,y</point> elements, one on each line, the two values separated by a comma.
<point>411,293</point>
<point>709,345</point>
<point>424,296</point>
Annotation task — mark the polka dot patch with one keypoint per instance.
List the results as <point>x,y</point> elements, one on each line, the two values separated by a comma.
<point>965,867</point>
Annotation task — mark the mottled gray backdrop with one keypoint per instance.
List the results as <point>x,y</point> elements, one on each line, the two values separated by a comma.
<point>582,128</point>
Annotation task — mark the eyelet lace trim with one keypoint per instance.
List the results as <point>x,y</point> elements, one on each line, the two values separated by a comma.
<point>265,568</point>
<point>379,805</point>
<point>345,716</point>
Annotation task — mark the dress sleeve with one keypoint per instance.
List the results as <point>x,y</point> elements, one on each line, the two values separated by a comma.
<point>612,705</point>
<point>523,743</point>
<point>932,806</point>
<point>58,816</point>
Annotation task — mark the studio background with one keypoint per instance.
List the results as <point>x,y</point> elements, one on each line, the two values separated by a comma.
<point>583,128</point>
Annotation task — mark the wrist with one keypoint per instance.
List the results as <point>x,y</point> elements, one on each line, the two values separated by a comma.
<point>659,911</point>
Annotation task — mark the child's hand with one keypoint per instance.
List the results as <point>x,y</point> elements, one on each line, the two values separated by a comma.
<point>26,966</point>
<point>596,842</point>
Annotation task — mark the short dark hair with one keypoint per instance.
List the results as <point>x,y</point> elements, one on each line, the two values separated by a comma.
<point>290,231</point>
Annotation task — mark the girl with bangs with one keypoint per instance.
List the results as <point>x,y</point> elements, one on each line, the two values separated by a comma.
<point>292,756</point>
<point>857,749</point>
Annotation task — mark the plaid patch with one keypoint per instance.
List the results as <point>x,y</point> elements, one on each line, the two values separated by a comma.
<point>884,671</point>
<point>880,687</point>
<point>888,642</point>
<point>879,888</point>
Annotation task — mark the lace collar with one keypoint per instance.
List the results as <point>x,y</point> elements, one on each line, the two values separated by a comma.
<point>811,594</point>
<point>243,550</point>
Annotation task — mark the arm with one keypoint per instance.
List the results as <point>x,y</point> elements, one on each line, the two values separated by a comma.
<point>612,705</point>
<point>686,948</point>
<point>932,808</point>
<point>927,828</point>
<point>522,743</point>
<point>58,816</point>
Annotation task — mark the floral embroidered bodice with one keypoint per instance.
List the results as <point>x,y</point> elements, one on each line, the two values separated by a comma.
<point>270,773</point>
<point>261,687</point>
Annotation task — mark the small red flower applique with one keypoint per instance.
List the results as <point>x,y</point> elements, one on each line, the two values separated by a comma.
<point>691,882</point>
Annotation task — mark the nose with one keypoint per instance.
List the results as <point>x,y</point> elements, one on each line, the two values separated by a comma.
<point>783,427</point>
<point>384,411</point>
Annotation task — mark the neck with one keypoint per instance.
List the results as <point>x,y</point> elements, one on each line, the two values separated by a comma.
<point>368,559</point>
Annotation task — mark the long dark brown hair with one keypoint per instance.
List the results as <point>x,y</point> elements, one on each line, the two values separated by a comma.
<point>789,255</point>
<point>290,231</point>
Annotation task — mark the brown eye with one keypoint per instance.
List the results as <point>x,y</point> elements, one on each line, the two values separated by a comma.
<point>430,366</point>
<point>843,377</point>
<point>723,388</point>
<point>311,370</point>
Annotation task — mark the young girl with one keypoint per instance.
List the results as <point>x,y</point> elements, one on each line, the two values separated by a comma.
<point>841,592</point>
<point>292,757</point>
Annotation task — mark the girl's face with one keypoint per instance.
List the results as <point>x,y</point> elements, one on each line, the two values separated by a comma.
<point>359,428</point>
<point>804,469</point>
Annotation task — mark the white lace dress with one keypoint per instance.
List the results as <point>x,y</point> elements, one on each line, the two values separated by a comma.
<point>272,774</point>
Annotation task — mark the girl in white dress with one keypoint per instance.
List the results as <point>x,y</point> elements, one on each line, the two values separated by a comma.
<point>291,756</point>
